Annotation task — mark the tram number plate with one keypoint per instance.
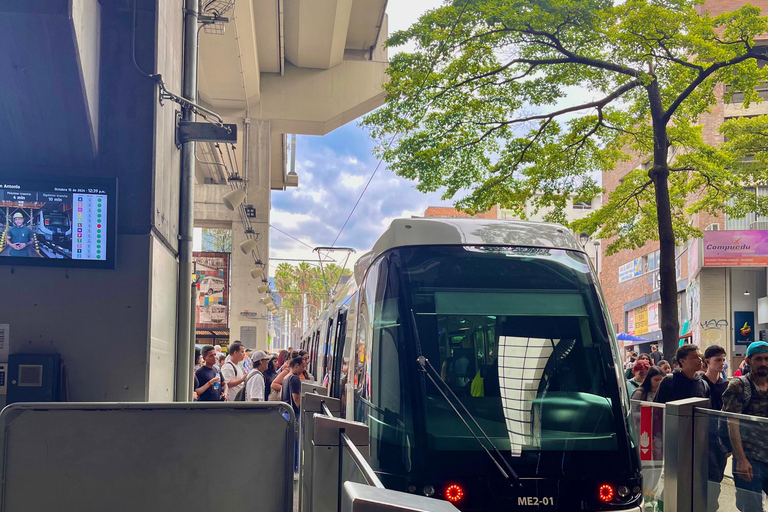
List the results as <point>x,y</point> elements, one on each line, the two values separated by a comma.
<point>536,501</point>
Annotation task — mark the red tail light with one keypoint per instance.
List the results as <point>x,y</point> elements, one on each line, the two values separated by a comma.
<point>47,222</point>
<point>606,493</point>
<point>454,493</point>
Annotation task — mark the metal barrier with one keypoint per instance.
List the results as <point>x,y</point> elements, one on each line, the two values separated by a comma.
<point>335,474</point>
<point>140,456</point>
<point>696,474</point>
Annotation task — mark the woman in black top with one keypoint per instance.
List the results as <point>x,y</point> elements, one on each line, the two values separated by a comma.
<point>270,374</point>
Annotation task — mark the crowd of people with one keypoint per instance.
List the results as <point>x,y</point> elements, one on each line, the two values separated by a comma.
<point>247,375</point>
<point>696,375</point>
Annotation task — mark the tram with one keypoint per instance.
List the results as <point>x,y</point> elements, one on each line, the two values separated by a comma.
<point>481,355</point>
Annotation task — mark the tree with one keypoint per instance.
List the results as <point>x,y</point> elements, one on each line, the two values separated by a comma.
<point>217,240</point>
<point>485,107</point>
<point>292,282</point>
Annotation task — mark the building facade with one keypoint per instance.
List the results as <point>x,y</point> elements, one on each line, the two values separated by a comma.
<point>720,284</point>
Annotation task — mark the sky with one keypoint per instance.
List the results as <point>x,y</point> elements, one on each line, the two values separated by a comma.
<point>333,171</point>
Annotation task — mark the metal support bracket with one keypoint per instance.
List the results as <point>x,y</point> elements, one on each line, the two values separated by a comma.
<point>205,132</point>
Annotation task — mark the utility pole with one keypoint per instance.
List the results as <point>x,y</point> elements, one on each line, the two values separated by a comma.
<point>185,335</point>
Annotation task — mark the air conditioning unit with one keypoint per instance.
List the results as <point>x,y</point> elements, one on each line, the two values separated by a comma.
<point>713,227</point>
<point>759,226</point>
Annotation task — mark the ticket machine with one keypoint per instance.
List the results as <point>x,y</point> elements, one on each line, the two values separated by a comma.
<point>34,378</point>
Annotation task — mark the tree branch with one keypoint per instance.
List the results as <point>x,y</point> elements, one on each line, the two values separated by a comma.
<point>703,75</point>
<point>578,59</point>
<point>594,104</point>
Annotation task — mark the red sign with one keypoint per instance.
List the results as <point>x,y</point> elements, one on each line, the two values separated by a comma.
<point>646,433</point>
<point>651,433</point>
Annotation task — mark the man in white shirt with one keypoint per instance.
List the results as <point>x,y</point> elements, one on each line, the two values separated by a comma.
<point>254,385</point>
<point>232,372</point>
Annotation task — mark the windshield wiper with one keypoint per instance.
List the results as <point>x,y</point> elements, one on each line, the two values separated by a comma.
<point>509,475</point>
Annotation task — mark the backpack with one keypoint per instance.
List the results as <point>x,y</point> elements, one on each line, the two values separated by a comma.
<point>240,396</point>
<point>747,383</point>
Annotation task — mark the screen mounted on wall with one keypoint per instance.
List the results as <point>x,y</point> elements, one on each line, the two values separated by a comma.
<point>67,222</point>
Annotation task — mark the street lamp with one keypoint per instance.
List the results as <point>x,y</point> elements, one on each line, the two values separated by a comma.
<point>583,239</point>
<point>597,256</point>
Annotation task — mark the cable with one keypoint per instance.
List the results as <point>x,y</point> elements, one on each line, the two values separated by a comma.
<point>302,243</point>
<point>418,93</point>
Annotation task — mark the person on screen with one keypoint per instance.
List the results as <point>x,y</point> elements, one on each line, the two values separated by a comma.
<point>19,237</point>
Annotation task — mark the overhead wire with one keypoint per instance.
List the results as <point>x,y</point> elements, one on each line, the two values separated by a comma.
<point>397,132</point>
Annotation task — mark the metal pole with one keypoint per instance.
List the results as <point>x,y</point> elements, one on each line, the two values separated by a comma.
<point>184,339</point>
<point>290,331</point>
<point>304,314</point>
<point>597,259</point>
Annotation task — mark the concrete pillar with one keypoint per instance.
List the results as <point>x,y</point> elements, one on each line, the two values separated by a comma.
<point>246,310</point>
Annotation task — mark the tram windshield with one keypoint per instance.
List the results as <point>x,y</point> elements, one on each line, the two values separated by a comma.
<point>518,334</point>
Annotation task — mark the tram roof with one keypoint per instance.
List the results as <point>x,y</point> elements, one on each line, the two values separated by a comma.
<point>431,231</point>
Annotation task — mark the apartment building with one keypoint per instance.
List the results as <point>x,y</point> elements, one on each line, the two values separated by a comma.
<point>721,278</point>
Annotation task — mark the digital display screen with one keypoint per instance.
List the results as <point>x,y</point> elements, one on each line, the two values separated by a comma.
<point>66,222</point>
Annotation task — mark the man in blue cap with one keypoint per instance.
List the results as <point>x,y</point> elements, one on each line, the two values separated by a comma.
<point>749,395</point>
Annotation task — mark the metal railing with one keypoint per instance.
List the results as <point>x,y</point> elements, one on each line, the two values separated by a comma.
<point>365,469</point>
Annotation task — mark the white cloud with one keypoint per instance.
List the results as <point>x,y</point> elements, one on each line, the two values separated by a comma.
<point>351,181</point>
<point>288,220</point>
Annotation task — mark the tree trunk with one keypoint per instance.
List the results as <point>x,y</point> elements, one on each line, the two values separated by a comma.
<point>659,174</point>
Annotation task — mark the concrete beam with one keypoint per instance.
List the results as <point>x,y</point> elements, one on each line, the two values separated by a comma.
<point>316,32</point>
<point>316,102</point>
<point>49,75</point>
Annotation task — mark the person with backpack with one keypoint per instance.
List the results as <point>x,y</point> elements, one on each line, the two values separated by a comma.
<point>719,448</point>
<point>254,381</point>
<point>748,394</point>
<point>292,396</point>
<point>685,382</point>
<point>231,371</point>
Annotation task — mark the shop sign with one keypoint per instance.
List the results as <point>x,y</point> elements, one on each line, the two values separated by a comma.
<point>641,320</point>
<point>212,280</point>
<point>631,322</point>
<point>735,248</point>
<point>631,270</point>
<point>653,317</point>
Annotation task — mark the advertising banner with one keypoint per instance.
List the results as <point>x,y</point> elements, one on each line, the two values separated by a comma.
<point>653,317</point>
<point>212,278</point>
<point>631,270</point>
<point>735,248</point>
<point>641,320</point>
<point>744,327</point>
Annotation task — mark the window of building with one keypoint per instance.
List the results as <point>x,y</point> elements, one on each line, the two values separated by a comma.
<point>751,220</point>
<point>651,261</point>
<point>582,205</point>
<point>762,89</point>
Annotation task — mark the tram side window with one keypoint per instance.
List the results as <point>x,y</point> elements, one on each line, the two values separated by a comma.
<point>382,400</point>
<point>326,349</point>
<point>337,355</point>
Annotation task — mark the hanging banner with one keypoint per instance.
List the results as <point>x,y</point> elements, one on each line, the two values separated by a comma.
<point>212,279</point>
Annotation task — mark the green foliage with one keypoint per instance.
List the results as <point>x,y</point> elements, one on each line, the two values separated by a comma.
<point>293,281</point>
<point>217,240</point>
<point>507,100</point>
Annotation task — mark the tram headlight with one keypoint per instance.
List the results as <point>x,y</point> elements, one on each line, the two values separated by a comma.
<point>623,491</point>
<point>429,491</point>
